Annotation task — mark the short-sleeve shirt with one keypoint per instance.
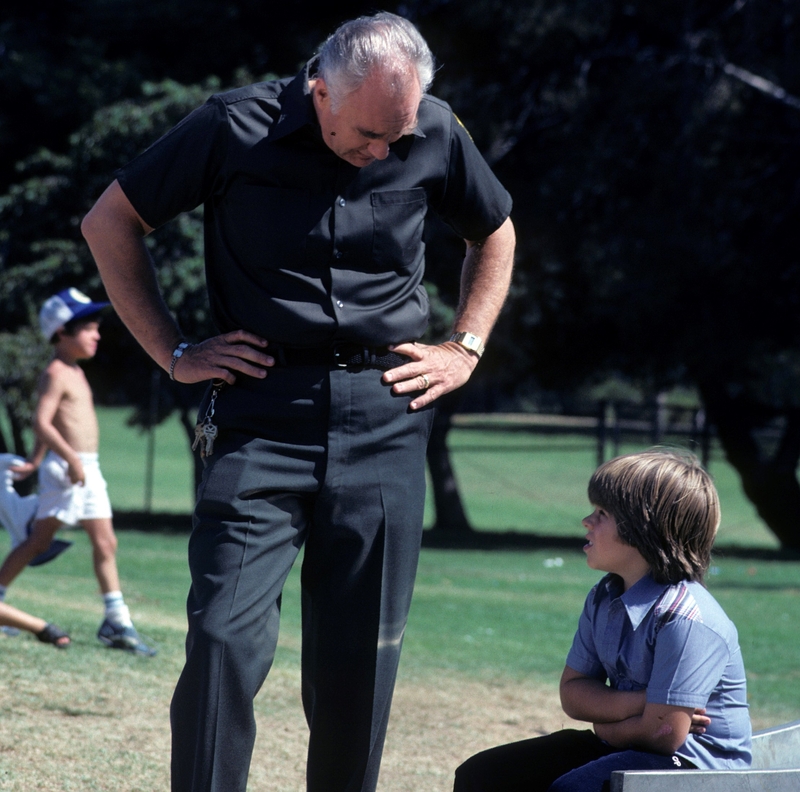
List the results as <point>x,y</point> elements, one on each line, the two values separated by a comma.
<point>301,247</point>
<point>675,642</point>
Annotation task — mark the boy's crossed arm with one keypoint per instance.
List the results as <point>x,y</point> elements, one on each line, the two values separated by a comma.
<point>625,719</point>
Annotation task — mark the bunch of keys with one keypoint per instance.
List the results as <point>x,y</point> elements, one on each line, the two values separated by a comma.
<point>206,431</point>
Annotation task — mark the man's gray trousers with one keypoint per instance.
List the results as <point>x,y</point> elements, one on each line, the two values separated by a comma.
<point>323,457</point>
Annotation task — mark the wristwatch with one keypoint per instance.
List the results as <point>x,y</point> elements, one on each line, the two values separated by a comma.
<point>177,352</point>
<point>470,342</point>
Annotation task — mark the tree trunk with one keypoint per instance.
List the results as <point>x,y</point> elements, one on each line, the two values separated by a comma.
<point>450,514</point>
<point>769,479</point>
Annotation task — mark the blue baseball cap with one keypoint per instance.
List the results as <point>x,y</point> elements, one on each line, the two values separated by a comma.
<point>65,306</point>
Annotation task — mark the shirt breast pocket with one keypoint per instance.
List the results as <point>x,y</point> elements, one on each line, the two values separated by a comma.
<point>398,221</point>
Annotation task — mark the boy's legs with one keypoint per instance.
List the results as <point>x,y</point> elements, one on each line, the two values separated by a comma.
<point>20,620</point>
<point>104,552</point>
<point>13,617</point>
<point>38,541</point>
<point>596,776</point>
<point>117,630</point>
<point>17,512</point>
<point>529,765</point>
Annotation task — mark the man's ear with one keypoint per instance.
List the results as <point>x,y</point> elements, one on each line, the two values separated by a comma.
<point>322,96</point>
<point>321,89</point>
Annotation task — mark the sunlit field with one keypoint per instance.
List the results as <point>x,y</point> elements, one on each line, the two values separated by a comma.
<point>484,648</point>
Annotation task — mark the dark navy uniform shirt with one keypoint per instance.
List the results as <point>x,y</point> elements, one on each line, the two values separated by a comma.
<point>301,247</point>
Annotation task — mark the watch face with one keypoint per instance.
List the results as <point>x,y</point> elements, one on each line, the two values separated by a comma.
<point>469,341</point>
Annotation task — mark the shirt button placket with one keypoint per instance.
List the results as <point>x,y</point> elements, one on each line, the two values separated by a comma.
<point>338,254</point>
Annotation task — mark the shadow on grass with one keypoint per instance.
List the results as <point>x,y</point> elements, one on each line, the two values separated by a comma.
<point>170,522</point>
<point>162,522</point>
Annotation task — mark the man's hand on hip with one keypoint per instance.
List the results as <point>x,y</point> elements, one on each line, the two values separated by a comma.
<point>433,370</point>
<point>221,357</point>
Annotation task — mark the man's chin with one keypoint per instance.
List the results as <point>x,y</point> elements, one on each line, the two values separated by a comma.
<point>360,162</point>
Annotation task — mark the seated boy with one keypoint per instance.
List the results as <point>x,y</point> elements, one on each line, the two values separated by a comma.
<point>72,489</point>
<point>655,665</point>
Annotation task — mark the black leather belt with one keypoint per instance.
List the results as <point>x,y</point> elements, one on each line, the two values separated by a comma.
<point>339,355</point>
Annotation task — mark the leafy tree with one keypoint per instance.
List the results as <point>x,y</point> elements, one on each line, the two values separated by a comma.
<point>61,62</point>
<point>650,145</point>
<point>43,252</point>
<point>23,355</point>
<point>651,148</point>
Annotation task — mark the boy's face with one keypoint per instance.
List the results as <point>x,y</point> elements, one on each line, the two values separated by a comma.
<point>81,344</point>
<point>606,552</point>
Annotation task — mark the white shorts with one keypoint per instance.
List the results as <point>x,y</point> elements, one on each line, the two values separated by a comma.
<point>71,503</point>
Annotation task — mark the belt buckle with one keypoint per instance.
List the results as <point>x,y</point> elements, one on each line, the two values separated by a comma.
<point>338,360</point>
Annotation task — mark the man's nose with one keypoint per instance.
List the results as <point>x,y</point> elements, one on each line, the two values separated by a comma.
<point>379,149</point>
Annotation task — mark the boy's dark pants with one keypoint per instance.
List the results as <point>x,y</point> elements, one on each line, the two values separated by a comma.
<point>333,460</point>
<point>569,760</point>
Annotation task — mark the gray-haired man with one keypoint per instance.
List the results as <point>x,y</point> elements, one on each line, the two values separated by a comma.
<point>315,192</point>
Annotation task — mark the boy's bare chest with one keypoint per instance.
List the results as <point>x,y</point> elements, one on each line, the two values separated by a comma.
<point>77,393</point>
<point>76,418</point>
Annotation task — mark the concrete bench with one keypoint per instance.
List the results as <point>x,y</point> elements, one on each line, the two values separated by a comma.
<point>775,768</point>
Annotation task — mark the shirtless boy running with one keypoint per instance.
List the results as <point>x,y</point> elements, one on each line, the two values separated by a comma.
<point>71,487</point>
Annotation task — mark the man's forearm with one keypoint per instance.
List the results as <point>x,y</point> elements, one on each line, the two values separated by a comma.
<point>485,280</point>
<point>115,235</point>
<point>441,368</point>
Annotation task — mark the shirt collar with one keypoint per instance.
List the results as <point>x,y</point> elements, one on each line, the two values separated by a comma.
<point>639,598</point>
<point>297,109</point>
<point>297,105</point>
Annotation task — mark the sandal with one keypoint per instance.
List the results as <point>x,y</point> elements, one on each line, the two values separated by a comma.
<point>53,634</point>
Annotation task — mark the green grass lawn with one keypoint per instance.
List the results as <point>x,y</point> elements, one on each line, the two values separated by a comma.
<point>526,482</point>
<point>495,623</point>
<point>495,615</point>
<point>509,480</point>
<point>511,613</point>
<point>123,459</point>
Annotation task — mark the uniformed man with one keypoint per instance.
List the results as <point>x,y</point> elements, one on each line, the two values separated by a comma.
<point>315,192</point>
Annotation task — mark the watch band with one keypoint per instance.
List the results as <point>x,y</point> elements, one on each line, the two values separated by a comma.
<point>176,353</point>
<point>470,342</point>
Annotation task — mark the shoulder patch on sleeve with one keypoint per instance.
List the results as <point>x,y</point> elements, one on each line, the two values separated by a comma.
<point>461,124</point>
